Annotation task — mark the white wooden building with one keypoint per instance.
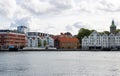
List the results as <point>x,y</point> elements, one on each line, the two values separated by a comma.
<point>35,39</point>
<point>98,41</point>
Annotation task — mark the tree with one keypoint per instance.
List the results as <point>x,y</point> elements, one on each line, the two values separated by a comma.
<point>83,32</point>
<point>45,42</point>
<point>39,42</point>
<point>105,32</point>
<point>117,30</point>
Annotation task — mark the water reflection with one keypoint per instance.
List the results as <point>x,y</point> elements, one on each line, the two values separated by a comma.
<point>59,64</point>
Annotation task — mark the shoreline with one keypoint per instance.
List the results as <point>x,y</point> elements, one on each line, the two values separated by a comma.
<point>6,50</point>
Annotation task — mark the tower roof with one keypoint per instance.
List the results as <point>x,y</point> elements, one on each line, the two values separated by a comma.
<point>113,24</point>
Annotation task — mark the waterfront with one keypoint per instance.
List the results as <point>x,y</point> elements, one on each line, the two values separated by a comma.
<point>60,63</point>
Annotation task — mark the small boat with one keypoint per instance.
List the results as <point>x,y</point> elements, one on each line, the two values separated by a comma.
<point>13,48</point>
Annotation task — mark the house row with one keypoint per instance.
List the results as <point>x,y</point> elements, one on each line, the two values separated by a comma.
<point>21,38</point>
<point>37,39</point>
<point>102,41</point>
<point>62,41</point>
<point>98,41</point>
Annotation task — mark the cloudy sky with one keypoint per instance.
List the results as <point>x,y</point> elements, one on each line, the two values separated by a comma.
<point>56,16</point>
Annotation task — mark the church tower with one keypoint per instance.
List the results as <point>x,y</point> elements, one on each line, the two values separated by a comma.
<point>112,27</point>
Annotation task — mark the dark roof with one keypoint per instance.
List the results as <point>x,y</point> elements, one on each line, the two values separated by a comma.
<point>14,31</point>
<point>22,26</point>
<point>113,24</point>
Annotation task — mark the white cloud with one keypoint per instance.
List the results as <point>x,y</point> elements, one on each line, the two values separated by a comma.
<point>45,7</point>
<point>52,16</point>
<point>62,4</point>
<point>20,22</point>
<point>79,25</point>
<point>21,13</point>
<point>7,8</point>
<point>37,7</point>
<point>69,28</point>
<point>5,25</point>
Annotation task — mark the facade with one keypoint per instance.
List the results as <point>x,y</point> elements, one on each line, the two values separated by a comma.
<point>66,41</point>
<point>37,39</point>
<point>101,41</point>
<point>11,38</point>
<point>117,40</point>
<point>50,41</point>
<point>22,29</point>
<point>98,41</point>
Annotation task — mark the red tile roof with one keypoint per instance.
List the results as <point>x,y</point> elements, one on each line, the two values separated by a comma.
<point>67,39</point>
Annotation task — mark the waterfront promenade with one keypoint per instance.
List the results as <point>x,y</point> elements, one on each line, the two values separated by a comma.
<point>59,50</point>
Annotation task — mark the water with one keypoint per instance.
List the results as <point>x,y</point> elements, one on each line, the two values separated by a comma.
<point>60,63</point>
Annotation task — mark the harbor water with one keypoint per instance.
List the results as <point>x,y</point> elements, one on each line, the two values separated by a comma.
<point>60,63</point>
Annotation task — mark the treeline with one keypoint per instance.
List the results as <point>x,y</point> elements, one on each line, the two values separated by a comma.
<point>86,32</point>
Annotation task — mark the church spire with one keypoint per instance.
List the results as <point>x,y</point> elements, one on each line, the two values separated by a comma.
<point>113,22</point>
<point>112,27</point>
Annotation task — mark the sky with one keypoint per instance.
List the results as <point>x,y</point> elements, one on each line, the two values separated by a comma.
<point>56,16</point>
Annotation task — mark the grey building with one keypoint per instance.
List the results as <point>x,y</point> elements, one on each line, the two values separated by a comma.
<point>23,29</point>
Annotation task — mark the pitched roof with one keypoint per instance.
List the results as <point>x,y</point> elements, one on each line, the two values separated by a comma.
<point>68,39</point>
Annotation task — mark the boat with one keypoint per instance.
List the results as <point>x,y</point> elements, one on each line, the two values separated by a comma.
<point>13,48</point>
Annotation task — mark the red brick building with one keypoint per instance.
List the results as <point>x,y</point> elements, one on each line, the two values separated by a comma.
<point>66,41</point>
<point>11,38</point>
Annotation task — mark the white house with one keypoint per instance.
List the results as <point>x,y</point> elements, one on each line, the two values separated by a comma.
<point>50,41</point>
<point>35,39</point>
<point>104,41</point>
<point>32,39</point>
<point>97,41</point>
<point>85,43</point>
<point>117,40</point>
<point>111,39</point>
<point>93,41</point>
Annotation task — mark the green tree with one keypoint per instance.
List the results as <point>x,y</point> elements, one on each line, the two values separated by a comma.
<point>45,42</point>
<point>105,32</point>
<point>39,42</point>
<point>84,32</point>
<point>117,30</point>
